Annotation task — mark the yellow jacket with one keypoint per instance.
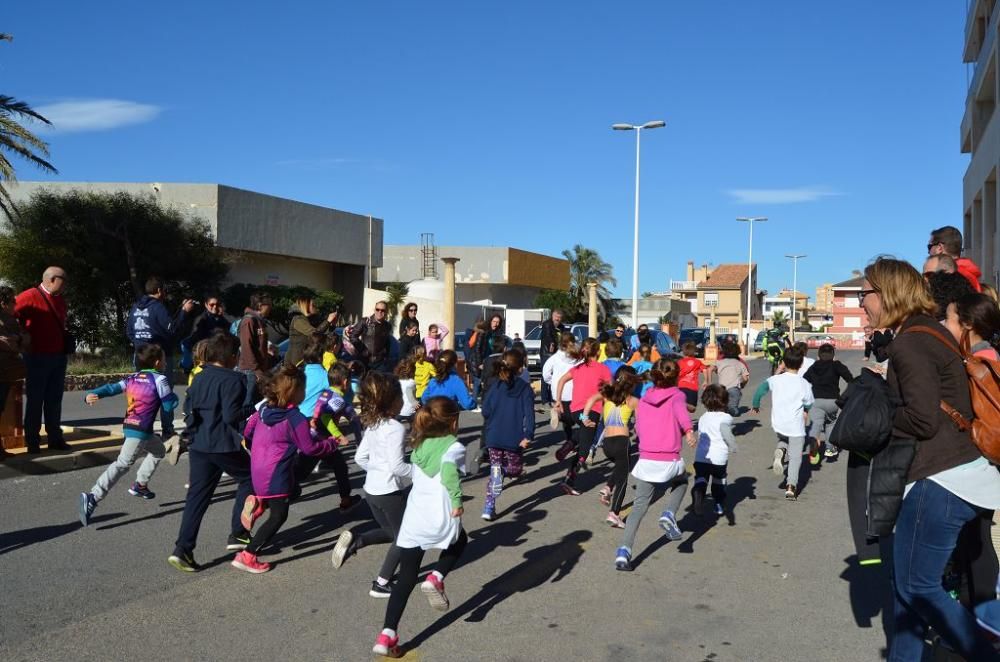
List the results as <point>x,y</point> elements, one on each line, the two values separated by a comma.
<point>424,370</point>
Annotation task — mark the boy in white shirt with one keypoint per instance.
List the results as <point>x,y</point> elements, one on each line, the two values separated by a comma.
<point>791,398</point>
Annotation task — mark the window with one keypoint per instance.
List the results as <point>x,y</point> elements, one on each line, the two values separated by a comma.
<point>852,322</point>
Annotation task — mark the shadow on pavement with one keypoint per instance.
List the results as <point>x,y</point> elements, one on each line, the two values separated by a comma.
<point>15,540</point>
<point>871,594</point>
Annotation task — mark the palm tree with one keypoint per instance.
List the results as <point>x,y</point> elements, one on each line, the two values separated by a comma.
<point>586,266</point>
<point>15,139</point>
<point>397,293</point>
<point>778,318</point>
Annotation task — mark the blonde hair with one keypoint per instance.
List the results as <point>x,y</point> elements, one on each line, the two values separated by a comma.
<point>989,291</point>
<point>902,290</point>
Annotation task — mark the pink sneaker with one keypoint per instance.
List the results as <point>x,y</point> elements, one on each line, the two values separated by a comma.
<point>248,562</point>
<point>253,508</point>
<point>384,645</point>
<point>615,521</point>
<point>433,588</point>
<point>568,446</point>
<point>569,489</point>
<point>605,495</point>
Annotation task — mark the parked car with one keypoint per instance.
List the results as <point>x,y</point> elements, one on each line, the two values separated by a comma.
<point>819,340</point>
<point>758,343</point>
<point>698,336</point>
<point>726,337</point>
<point>665,345</point>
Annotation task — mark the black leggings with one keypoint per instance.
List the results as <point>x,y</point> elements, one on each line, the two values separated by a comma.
<point>387,509</point>
<point>616,449</point>
<point>703,471</point>
<point>584,440</point>
<point>409,566</point>
<point>277,514</point>
<point>567,420</point>
<point>305,464</point>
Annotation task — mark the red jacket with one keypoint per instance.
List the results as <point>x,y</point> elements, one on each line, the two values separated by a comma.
<point>32,308</point>
<point>968,268</point>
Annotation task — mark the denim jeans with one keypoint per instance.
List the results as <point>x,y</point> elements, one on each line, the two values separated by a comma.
<point>926,534</point>
<point>44,393</point>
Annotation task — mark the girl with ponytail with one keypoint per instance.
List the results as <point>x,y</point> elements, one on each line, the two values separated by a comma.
<point>509,426</point>
<point>447,383</point>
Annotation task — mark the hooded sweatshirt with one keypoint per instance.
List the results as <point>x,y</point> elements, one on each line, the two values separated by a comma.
<point>276,434</point>
<point>972,273</point>
<point>452,387</point>
<point>555,367</point>
<point>149,322</point>
<point>825,376</point>
<point>509,412</point>
<point>660,422</point>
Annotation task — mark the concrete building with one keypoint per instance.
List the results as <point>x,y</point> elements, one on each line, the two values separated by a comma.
<point>980,137</point>
<point>824,298</point>
<point>267,239</point>
<point>653,309</point>
<point>782,302</point>
<point>502,275</point>
<point>848,315</point>
<point>724,285</point>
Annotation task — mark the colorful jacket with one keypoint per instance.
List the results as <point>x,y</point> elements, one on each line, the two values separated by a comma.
<point>146,392</point>
<point>660,421</point>
<point>276,436</point>
<point>452,387</point>
<point>331,406</point>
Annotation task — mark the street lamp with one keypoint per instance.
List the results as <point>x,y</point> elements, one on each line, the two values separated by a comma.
<point>655,124</point>
<point>795,286</point>
<point>750,220</point>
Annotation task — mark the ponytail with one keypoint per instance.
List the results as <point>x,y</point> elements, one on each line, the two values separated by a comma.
<point>445,364</point>
<point>590,350</point>
<point>664,373</point>
<point>511,366</point>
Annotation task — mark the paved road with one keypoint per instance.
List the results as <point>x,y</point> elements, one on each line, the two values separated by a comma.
<point>538,584</point>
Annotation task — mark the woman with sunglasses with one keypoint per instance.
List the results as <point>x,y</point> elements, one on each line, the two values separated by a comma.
<point>407,320</point>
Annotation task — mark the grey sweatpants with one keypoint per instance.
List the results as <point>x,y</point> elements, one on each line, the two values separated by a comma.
<point>735,395</point>
<point>793,447</point>
<point>644,492</point>
<point>131,447</point>
<point>822,415</point>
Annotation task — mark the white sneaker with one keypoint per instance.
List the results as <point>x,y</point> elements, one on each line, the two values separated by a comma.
<point>779,458</point>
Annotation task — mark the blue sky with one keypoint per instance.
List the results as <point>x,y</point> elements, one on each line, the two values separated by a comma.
<point>489,123</point>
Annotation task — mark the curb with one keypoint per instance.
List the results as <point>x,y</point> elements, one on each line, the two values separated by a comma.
<point>93,451</point>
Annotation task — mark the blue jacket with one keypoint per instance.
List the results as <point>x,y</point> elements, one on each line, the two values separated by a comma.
<point>149,322</point>
<point>452,387</point>
<point>317,381</point>
<point>216,409</point>
<point>509,413</point>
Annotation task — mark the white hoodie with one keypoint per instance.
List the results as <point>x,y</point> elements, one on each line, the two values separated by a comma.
<point>555,367</point>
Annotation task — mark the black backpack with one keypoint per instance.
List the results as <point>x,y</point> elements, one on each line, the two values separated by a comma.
<point>865,420</point>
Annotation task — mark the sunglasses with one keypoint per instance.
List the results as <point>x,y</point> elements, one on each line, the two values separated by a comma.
<point>381,310</point>
<point>930,246</point>
<point>863,293</point>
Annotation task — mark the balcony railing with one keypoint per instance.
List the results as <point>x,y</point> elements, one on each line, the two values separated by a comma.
<point>681,285</point>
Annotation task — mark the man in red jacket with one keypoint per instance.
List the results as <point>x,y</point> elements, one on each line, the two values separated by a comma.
<point>948,240</point>
<point>42,312</point>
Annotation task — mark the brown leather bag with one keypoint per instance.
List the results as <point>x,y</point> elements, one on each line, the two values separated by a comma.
<point>984,393</point>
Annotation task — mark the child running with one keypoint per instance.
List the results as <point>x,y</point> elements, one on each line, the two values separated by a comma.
<point>331,406</point>
<point>661,419</point>
<point>145,393</point>
<point>613,356</point>
<point>433,516</point>
<point>555,367</point>
<point>509,426</point>
<point>642,366</point>
<point>690,375</point>
<point>824,376</point>
<point>715,443</point>
<point>380,454</point>
<point>619,405</point>
<point>447,383</point>
<point>405,371</point>
<point>276,434</point>
<point>733,375</point>
<point>587,378</point>
<point>423,370</point>
<point>792,397</point>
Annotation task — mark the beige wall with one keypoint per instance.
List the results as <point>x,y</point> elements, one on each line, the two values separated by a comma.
<point>260,268</point>
<point>728,311</point>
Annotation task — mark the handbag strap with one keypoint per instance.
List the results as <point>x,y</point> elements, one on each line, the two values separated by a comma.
<point>961,422</point>
<point>52,308</point>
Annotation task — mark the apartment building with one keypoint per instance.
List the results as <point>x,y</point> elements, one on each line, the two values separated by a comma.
<point>723,288</point>
<point>980,137</point>
<point>824,297</point>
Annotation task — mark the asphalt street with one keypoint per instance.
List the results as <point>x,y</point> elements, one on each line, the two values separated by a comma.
<point>774,581</point>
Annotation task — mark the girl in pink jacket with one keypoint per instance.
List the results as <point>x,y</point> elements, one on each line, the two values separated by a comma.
<point>432,342</point>
<point>661,420</point>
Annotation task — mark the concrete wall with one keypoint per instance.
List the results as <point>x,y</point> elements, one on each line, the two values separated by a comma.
<point>261,268</point>
<point>512,296</point>
<point>477,264</point>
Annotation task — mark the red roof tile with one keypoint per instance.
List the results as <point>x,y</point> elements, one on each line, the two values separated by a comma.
<point>725,276</point>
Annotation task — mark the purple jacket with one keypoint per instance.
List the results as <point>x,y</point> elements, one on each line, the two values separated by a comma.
<point>660,421</point>
<point>276,436</point>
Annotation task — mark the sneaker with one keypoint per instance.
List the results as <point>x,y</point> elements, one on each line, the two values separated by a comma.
<point>238,542</point>
<point>183,561</point>
<point>342,549</point>
<point>830,451</point>
<point>87,505</point>
<point>779,460</point>
<point>386,646</point>
<point>253,508</point>
<point>623,559</point>
<point>379,591</point>
<point>565,449</point>
<point>569,489</point>
<point>248,562</point>
<point>347,503</point>
<point>669,526</point>
<point>605,495</point>
<point>173,447</point>
<point>615,521</point>
<point>719,510</point>
<point>140,490</point>
<point>790,493</point>
<point>433,588</point>
<point>489,514</point>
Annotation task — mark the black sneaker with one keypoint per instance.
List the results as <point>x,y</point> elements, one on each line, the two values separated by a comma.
<point>87,503</point>
<point>379,591</point>
<point>183,561</point>
<point>237,542</point>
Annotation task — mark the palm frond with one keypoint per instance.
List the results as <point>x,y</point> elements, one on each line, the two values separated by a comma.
<point>25,152</point>
<point>11,106</point>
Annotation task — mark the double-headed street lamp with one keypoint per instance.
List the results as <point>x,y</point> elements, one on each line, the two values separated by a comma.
<point>750,220</point>
<point>656,124</point>
<point>795,286</point>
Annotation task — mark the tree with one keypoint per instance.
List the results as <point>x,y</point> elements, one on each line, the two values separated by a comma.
<point>397,293</point>
<point>108,243</point>
<point>561,299</point>
<point>19,141</point>
<point>586,266</point>
<point>778,318</point>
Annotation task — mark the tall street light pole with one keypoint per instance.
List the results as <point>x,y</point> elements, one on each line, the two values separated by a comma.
<point>655,124</point>
<point>750,220</point>
<point>795,287</point>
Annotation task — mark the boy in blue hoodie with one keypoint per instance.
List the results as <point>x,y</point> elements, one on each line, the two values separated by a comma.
<point>149,322</point>
<point>509,426</point>
<point>145,393</point>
